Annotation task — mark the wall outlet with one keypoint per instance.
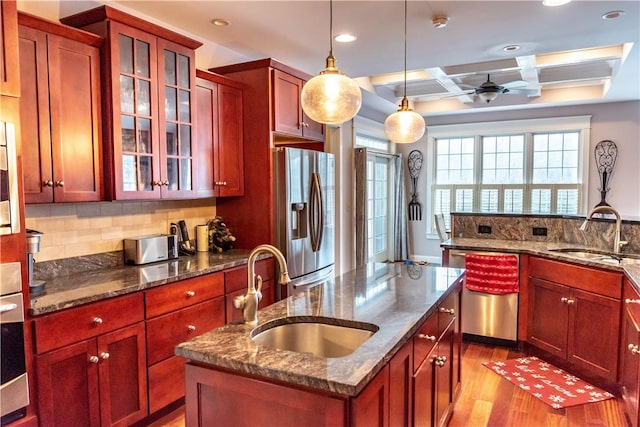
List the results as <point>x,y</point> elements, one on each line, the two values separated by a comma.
<point>484,229</point>
<point>539,231</point>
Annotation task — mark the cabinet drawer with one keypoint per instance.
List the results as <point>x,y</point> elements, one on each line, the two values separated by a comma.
<point>631,300</point>
<point>602,282</point>
<point>425,340</point>
<point>236,278</point>
<point>166,382</point>
<point>165,332</point>
<point>175,296</point>
<point>447,312</point>
<point>87,321</point>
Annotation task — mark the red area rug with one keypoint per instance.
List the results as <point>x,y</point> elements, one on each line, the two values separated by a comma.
<point>552,385</point>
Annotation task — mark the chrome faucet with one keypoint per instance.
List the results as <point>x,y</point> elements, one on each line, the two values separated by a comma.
<point>248,303</point>
<point>617,243</point>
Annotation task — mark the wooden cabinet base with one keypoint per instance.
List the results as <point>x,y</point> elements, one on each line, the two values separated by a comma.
<point>219,398</point>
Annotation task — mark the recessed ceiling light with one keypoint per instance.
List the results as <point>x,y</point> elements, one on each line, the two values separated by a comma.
<point>511,48</point>
<point>613,14</point>
<point>440,21</point>
<point>219,22</point>
<point>555,2</point>
<point>345,38</point>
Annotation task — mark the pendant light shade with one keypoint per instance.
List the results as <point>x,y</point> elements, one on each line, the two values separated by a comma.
<point>404,126</point>
<point>331,97</point>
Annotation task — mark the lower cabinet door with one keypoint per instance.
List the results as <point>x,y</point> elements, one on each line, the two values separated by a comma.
<point>123,376</point>
<point>423,391</point>
<point>166,383</point>
<point>371,407</point>
<point>548,316</point>
<point>444,365</point>
<point>401,388</point>
<point>68,386</point>
<point>630,368</point>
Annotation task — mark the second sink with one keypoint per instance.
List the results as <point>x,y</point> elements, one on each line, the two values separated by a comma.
<point>319,336</point>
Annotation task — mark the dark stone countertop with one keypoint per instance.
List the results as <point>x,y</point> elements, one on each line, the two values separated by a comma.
<point>547,250</point>
<point>395,297</point>
<point>66,291</point>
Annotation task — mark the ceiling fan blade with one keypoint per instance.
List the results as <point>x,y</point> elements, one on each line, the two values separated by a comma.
<point>515,84</point>
<point>523,91</point>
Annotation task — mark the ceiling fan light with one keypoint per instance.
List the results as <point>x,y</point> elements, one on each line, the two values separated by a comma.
<point>405,125</point>
<point>555,2</point>
<point>331,97</point>
<point>487,96</point>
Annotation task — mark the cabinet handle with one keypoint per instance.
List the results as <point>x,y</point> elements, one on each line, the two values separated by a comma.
<point>191,328</point>
<point>451,311</point>
<point>191,294</point>
<point>94,359</point>
<point>431,338</point>
<point>47,183</point>
<point>564,300</point>
<point>570,301</point>
<point>165,183</point>
<point>59,183</point>
<point>632,301</point>
<point>104,355</point>
<point>97,321</point>
<point>634,349</point>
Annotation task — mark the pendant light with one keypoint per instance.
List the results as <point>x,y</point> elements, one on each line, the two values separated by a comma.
<point>404,126</point>
<point>331,97</point>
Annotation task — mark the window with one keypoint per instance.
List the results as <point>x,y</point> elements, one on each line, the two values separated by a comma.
<point>525,166</point>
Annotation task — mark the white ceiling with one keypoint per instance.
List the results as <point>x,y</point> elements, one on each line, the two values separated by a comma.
<point>551,60</point>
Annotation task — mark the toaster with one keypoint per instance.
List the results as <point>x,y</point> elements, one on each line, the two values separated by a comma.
<point>146,249</point>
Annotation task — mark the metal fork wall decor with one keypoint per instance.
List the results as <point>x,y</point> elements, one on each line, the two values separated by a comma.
<point>606,153</point>
<point>415,164</point>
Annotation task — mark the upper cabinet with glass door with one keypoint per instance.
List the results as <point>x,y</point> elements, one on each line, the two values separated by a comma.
<point>150,73</point>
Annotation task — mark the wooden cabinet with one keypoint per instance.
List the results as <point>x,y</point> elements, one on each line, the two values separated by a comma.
<point>60,112</point>
<point>235,283</point>
<point>149,79</point>
<point>371,407</point>
<point>260,138</point>
<point>220,136</point>
<point>90,369</point>
<point>176,313</point>
<point>288,116</point>
<point>9,73</point>
<point>563,298</point>
<point>630,353</point>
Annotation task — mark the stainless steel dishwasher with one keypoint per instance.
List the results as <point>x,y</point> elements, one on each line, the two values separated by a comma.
<point>487,317</point>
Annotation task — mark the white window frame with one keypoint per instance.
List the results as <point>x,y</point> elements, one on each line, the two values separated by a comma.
<point>581,124</point>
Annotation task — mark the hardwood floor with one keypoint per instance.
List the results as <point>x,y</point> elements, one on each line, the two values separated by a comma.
<point>487,400</point>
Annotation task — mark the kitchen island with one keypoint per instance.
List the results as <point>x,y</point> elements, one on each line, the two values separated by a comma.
<point>234,381</point>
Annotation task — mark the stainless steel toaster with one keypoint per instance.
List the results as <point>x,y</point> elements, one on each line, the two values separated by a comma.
<point>146,249</point>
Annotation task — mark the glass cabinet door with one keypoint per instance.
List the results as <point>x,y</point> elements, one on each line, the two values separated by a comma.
<point>137,118</point>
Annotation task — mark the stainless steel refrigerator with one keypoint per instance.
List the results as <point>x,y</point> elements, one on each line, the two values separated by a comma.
<point>305,214</point>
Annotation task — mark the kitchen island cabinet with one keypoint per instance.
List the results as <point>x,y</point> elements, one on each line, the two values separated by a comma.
<point>630,353</point>
<point>60,112</point>
<point>563,299</point>
<point>149,79</point>
<point>373,386</point>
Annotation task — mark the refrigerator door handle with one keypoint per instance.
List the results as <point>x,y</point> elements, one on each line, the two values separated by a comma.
<point>315,213</point>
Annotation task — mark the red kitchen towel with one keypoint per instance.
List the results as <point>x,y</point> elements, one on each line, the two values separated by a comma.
<point>492,274</point>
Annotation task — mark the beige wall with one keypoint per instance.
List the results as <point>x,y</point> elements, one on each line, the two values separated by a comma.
<point>75,229</point>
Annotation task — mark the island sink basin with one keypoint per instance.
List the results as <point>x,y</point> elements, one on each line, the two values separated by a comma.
<point>316,335</point>
<point>601,256</point>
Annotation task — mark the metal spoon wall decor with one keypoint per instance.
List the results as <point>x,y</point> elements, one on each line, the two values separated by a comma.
<point>606,154</point>
<point>415,164</point>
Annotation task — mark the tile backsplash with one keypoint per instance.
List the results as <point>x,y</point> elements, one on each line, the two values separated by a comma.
<point>77,229</point>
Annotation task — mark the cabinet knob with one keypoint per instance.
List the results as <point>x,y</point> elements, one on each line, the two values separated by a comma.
<point>440,361</point>
<point>632,301</point>
<point>427,337</point>
<point>104,355</point>
<point>94,359</point>
<point>165,183</point>
<point>191,294</point>
<point>564,300</point>
<point>47,183</point>
<point>451,311</point>
<point>224,182</point>
<point>570,301</point>
<point>634,349</point>
<point>59,183</point>
<point>156,183</point>
<point>191,328</point>
<point>97,321</point>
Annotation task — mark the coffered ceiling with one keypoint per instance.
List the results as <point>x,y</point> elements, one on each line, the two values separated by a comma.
<point>566,55</point>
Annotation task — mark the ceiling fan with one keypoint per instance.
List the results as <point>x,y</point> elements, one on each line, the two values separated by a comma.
<point>488,91</point>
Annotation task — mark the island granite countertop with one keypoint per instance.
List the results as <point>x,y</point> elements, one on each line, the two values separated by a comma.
<point>66,291</point>
<point>395,297</point>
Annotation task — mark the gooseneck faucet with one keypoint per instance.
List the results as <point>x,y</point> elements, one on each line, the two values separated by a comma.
<point>248,303</point>
<point>617,243</point>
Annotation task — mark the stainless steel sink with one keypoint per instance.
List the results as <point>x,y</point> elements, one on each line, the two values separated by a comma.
<point>316,335</point>
<point>601,256</point>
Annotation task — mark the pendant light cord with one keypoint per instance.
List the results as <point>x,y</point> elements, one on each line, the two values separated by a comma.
<point>405,48</point>
<point>330,27</point>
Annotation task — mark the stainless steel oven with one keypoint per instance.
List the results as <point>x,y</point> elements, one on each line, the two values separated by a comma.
<point>9,212</point>
<point>14,391</point>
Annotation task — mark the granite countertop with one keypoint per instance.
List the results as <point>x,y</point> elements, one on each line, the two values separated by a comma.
<point>547,250</point>
<point>66,291</point>
<point>395,297</point>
